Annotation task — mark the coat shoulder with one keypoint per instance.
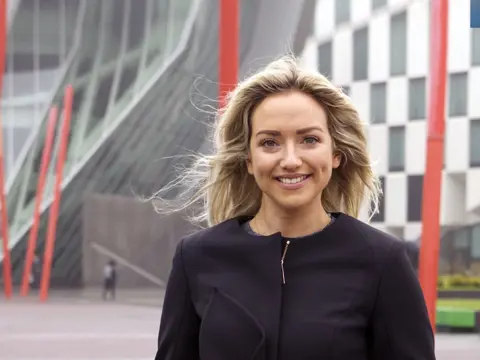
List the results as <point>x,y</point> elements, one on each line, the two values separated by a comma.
<point>381,244</point>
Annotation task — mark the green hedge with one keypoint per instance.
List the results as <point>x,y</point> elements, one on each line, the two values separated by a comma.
<point>446,282</point>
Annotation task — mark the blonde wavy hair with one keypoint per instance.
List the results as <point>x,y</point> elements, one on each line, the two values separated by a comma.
<point>219,186</point>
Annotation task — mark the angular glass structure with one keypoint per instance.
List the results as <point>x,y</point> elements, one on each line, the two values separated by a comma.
<point>144,74</point>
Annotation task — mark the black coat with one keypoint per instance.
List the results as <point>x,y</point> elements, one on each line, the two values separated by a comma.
<point>350,293</point>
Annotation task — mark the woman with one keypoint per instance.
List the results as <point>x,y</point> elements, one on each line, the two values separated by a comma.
<point>285,270</point>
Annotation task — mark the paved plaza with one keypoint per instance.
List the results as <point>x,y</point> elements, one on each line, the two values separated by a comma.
<point>79,326</point>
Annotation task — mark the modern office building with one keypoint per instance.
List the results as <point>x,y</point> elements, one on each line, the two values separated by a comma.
<point>144,74</point>
<point>379,52</point>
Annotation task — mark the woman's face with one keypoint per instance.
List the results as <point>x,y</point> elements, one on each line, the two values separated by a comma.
<point>291,153</point>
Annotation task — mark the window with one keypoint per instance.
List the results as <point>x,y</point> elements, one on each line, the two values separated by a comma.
<point>360,54</point>
<point>475,250</point>
<point>396,149</point>
<point>378,103</point>
<point>342,11</point>
<point>398,44</point>
<point>415,192</point>
<point>378,4</point>
<point>346,90</point>
<point>457,94</point>
<point>475,143</point>
<point>325,59</point>
<point>475,46</point>
<point>380,216</point>
<point>417,99</point>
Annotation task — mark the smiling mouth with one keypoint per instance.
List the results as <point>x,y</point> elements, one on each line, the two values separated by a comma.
<point>290,180</point>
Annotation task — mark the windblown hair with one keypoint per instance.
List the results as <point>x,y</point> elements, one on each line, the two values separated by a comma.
<point>221,184</point>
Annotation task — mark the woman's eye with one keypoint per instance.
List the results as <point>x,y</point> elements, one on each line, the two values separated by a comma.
<point>310,140</point>
<point>269,143</point>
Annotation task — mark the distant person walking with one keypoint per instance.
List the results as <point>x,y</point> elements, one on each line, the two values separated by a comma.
<point>35,272</point>
<point>109,280</point>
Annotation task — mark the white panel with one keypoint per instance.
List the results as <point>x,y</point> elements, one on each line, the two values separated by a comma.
<point>453,199</point>
<point>412,231</point>
<point>360,95</point>
<point>415,144</point>
<point>360,10</point>
<point>309,59</point>
<point>457,144</point>
<point>459,36</point>
<point>396,200</point>
<point>397,101</point>
<point>473,190</point>
<point>418,39</point>
<point>342,57</point>
<point>398,4</point>
<point>324,18</point>
<point>378,48</point>
<point>474,92</point>
<point>378,146</point>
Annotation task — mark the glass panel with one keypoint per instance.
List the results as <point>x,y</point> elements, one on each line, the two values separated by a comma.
<point>415,193</point>
<point>325,59</point>
<point>417,99</point>
<point>396,149</point>
<point>398,44</point>
<point>475,143</point>
<point>159,31</point>
<point>378,3</point>
<point>342,11</point>
<point>136,24</point>
<point>475,47</point>
<point>378,103</point>
<point>457,97</point>
<point>360,54</point>
<point>476,242</point>
<point>380,216</point>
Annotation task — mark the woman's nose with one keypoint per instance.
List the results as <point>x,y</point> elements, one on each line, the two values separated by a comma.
<point>290,160</point>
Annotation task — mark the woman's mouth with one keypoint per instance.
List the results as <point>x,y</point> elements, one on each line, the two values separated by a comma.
<point>290,182</point>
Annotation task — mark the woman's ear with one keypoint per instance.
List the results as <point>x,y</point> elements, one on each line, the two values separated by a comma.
<point>337,159</point>
<point>249,164</point>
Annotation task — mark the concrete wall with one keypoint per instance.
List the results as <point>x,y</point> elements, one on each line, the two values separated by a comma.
<point>124,229</point>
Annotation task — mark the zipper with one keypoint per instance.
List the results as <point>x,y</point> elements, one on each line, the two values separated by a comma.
<point>283,260</point>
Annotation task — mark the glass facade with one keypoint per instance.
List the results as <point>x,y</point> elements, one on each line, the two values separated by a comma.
<point>114,48</point>
<point>107,50</point>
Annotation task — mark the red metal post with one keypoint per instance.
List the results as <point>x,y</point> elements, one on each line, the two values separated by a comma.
<point>7,269</point>
<point>430,246</point>
<point>53,216</point>
<point>32,241</point>
<point>228,47</point>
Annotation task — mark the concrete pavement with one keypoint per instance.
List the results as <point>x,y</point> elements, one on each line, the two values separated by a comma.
<point>80,326</point>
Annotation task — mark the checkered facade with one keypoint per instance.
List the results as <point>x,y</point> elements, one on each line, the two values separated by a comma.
<point>378,51</point>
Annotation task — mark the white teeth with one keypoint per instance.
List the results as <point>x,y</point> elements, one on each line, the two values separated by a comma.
<point>292,180</point>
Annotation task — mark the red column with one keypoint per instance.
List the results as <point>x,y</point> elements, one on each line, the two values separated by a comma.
<point>7,269</point>
<point>32,241</point>
<point>53,216</point>
<point>430,246</point>
<point>228,47</point>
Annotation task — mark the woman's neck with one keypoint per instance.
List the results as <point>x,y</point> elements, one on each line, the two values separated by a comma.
<point>295,223</point>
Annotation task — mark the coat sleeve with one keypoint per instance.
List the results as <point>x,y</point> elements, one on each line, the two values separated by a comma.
<point>179,324</point>
<point>400,325</point>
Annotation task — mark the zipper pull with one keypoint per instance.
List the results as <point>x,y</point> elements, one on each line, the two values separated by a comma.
<point>283,259</point>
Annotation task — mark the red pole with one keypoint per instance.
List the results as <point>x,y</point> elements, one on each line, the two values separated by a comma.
<point>53,216</point>
<point>430,246</point>
<point>228,47</point>
<point>7,268</point>
<point>32,241</point>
